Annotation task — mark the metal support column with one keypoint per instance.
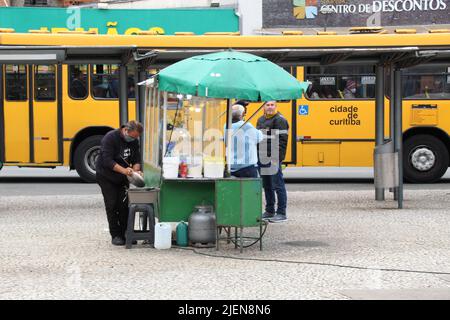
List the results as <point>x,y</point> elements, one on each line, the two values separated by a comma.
<point>398,132</point>
<point>379,119</point>
<point>142,76</point>
<point>392,111</point>
<point>123,94</point>
<point>228,138</point>
<point>391,103</point>
<point>139,76</point>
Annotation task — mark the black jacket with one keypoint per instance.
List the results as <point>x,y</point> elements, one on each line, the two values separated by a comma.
<point>269,124</point>
<point>115,150</point>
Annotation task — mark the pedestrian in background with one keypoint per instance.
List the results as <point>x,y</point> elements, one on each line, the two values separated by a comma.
<point>275,127</point>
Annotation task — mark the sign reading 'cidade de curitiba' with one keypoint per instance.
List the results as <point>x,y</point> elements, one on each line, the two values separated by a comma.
<point>346,13</point>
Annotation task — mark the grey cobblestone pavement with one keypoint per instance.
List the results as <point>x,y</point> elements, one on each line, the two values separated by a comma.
<point>335,242</point>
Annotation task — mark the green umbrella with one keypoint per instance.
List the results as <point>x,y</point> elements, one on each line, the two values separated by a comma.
<point>231,75</point>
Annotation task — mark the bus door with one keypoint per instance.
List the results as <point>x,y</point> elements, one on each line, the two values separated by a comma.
<point>16,114</point>
<point>45,114</point>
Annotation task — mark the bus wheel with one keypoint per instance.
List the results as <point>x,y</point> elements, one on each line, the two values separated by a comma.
<point>85,157</point>
<point>425,159</point>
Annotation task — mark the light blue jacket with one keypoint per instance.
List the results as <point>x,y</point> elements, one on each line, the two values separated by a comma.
<point>244,145</point>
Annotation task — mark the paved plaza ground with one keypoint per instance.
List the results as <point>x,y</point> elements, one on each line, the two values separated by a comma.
<point>336,245</point>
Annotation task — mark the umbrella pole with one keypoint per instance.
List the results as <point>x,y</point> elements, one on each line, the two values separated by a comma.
<point>228,139</point>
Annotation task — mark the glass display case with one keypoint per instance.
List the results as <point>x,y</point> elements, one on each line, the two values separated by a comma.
<point>184,137</point>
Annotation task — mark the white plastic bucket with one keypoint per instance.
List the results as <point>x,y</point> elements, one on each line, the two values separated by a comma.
<point>213,169</point>
<point>170,167</point>
<point>195,167</point>
<point>163,236</point>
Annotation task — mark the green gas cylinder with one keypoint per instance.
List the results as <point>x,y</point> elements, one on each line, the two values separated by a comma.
<point>182,234</point>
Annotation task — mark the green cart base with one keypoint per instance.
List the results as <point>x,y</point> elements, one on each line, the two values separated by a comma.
<point>237,202</point>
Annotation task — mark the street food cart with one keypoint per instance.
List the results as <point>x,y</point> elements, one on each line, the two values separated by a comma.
<point>186,149</point>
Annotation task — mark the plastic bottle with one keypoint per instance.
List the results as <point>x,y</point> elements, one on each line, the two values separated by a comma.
<point>182,234</point>
<point>163,236</point>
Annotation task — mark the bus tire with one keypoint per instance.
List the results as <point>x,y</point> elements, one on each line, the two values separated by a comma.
<point>425,159</point>
<point>85,156</point>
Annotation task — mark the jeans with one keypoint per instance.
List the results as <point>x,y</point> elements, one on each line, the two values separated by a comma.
<point>274,184</point>
<point>116,204</point>
<point>247,172</point>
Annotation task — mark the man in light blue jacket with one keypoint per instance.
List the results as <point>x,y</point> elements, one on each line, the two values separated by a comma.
<point>244,138</point>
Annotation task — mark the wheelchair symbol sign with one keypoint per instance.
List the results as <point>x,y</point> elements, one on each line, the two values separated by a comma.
<point>303,110</point>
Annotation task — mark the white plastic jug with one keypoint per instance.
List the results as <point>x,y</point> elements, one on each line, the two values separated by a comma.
<point>170,167</point>
<point>213,168</point>
<point>195,166</point>
<point>163,236</point>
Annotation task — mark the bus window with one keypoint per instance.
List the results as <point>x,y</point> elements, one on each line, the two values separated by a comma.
<point>426,82</point>
<point>105,81</point>
<point>78,81</point>
<point>341,82</point>
<point>16,82</point>
<point>44,83</point>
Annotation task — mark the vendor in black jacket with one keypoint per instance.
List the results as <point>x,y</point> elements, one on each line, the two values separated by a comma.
<point>119,157</point>
<point>271,153</point>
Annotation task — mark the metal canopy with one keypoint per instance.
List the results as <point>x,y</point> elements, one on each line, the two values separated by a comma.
<point>159,58</point>
<point>114,54</point>
<point>403,56</point>
<point>65,54</point>
<point>26,55</point>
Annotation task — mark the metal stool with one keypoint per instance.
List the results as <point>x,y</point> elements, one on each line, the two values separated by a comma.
<point>147,213</point>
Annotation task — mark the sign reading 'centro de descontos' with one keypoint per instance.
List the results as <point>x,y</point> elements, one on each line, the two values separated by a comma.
<point>386,6</point>
<point>344,13</point>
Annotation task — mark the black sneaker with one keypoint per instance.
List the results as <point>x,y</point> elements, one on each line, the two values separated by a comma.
<point>267,215</point>
<point>278,218</point>
<point>118,241</point>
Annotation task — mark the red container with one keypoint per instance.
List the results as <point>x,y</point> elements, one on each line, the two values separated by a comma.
<point>183,170</point>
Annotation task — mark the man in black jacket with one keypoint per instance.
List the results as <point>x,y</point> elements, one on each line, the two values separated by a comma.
<point>119,157</point>
<point>272,151</point>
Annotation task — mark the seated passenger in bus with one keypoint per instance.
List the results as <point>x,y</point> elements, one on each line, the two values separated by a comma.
<point>312,92</point>
<point>438,87</point>
<point>113,88</point>
<point>410,87</point>
<point>77,86</point>
<point>350,89</point>
<point>99,91</point>
<point>327,93</point>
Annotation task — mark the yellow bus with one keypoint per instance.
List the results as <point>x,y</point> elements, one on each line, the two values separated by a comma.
<point>332,125</point>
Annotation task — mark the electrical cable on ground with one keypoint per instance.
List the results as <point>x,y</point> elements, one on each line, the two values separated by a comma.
<point>314,263</point>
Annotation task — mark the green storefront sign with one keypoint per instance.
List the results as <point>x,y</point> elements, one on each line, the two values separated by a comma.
<point>119,21</point>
